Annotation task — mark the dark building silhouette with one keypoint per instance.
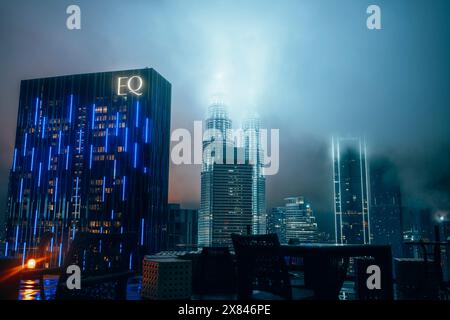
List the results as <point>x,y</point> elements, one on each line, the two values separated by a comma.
<point>182,228</point>
<point>91,155</point>
<point>385,205</point>
<point>276,223</point>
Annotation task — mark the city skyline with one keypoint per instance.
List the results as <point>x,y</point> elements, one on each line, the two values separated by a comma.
<point>320,66</point>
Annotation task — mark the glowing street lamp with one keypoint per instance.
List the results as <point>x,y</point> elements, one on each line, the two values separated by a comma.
<point>31,264</point>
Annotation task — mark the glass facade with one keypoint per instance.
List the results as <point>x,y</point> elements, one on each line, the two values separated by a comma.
<point>91,155</point>
<point>351,200</point>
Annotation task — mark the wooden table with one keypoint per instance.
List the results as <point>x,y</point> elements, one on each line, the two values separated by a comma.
<point>381,253</point>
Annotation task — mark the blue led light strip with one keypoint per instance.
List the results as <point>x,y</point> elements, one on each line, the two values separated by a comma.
<point>59,141</point>
<point>126,139</point>
<point>90,156</point>
<point>24,253</point>
<point>36,111</point>
<point>93,116</point>
<point>43,128</point>
<point>49,157</point>
<point>39,177</point>
<point>21,190</point>
<point>32,159</point>
<point>70,108</point>
<point>104,186</point>
<point>135,155</point>
<point>67,157</point>
<point>79,143</point>
<point>106,139</point>
<point>25,144</point>
<point>146,130</point>
<point>15,158</point>
<point>137,114</point>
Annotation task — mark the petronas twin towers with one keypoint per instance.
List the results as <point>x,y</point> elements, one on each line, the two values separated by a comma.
<point>232,180</point>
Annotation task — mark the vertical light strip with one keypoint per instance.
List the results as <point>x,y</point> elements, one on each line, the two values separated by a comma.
<point>39,177</point>
<point>36,112</point>
<point>60,254</point>
<point>15,159</point>
<point>43,127</point>
<point>362,190</point>
<point>112,214</point>
<point>59,141</point>
<point>35,223</point>
<point>146,130</point>
<point>76,189</point>
<point>16,244</point>
<point>56,190</point>
<point>70,108</point>
<point>117,124</point>
<point>131,260</point>
<point>79,143</point>
<point>6,248</point>
<point>115,166</point>
<point>21,190</point>
<point>93,117</point>
<point>32,159</point>
<point>106,140</point>
<point>104,186</point>
<point>67,157</point>
<point>137,114</point>
<point>25,144</point>
<point>49,157</point>
<point>367,188</point>
<point>334,189</point>
<point>135,155</point>
<point>126,139</point>
<point>90,156</point>
<point>24,253</point>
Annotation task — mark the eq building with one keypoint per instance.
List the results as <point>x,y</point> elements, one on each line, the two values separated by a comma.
<point>91,155</point>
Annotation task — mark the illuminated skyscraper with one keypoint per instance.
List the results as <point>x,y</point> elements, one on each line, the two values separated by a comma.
<point>301,224</point>
<point>91,155</point>
<point>350,182</point>
<point>226,183</point>
<point>254,154</point>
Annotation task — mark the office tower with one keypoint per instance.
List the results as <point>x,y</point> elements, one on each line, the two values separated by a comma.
<point>350,182</point>
<point>385,206</point>
<point>301,224</point>
<point>218,135</point>
<point>181,228</point>
<point>254,154</point>
<point>226,203</point>
<point>91,155</point>
<point>276,223</point>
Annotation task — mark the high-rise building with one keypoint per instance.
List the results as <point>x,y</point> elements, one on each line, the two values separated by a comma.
<point>226,204</point>
<point>301,224</point>
<point>350,183</point>
<point>276,223</point>
<point>254,154</point>
<point>226,183</point>
<point>385,206</point>
<point>91,155</point>
<point>181,228</point>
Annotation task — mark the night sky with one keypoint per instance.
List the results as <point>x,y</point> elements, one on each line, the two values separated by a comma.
<point>310,68</point>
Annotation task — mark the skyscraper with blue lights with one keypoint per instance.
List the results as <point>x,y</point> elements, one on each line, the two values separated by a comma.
<point>91,155</point>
